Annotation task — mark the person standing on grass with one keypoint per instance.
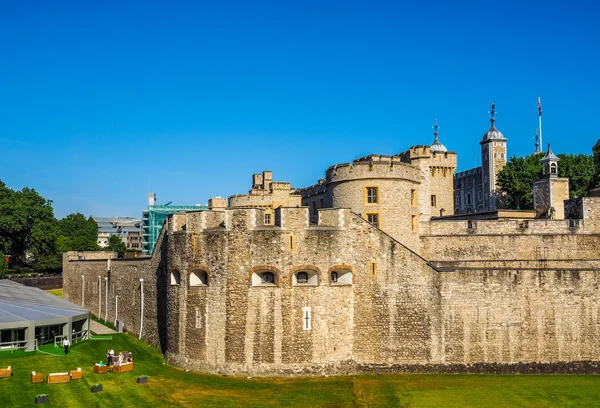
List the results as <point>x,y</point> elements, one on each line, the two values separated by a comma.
<point>66,344</point>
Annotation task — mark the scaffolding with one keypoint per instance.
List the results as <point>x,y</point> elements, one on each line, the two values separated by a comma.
<point>153,219</point>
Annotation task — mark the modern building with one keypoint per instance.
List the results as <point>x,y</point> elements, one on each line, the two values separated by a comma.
<point>154,217</point>
<point>31,317</point>
<point>127,228</point>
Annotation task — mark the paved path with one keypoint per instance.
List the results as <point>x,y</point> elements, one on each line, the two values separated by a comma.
<point>100,328</point>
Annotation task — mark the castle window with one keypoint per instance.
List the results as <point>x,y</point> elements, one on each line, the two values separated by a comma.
<point>372,195</point>
<point>468,198</point>
<point>413,198</point>
<point>267,277</point>
<point>414,223</point>
<point>198,318</point>
<point>457,200</point>
<point>267,219</point>
<point>502,155</point>
<point>306,318</point>
<point>479,195</point>
<point>198,278</point>
<point>264,278</point>
<point>291,242</point>
<point>372,268</point>
<point>433,201</point>
<point>553,168</point>
<point>305,278</point>
<point>373,218</point>
<point>175,279</point>
<point>341,277</point>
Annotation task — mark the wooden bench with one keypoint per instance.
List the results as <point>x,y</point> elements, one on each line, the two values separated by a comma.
<point>76,375</point>
<point>123,368</point>
<point>58,378</point>
<point>100,369</point>
<point>37,378</point>
<point>5,372</point>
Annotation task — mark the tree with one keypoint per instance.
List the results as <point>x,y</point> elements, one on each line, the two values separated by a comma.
<point>515,181</point>
<point>117,245</point>
<point>3,266</point>
<point>26,223</point>
<point>82,232</point>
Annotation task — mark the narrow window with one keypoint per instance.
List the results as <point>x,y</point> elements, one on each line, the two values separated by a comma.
<point>468,198</point>
<point>457,200</point>
<point>291,242</point>
<point>372,195</point>
<point>414,223</point>
<point>306,318</point>
<point>198,318</point>
<point>372,268</point>
<point>413,198</point>
<point>433,201</point>
<point>334,277</point>
<point>267,219</point>
<point>373,218</point>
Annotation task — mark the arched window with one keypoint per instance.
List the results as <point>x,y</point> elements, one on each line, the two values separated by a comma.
<point>553,168</point>
<point>175,279</point>
<point>305,278</point>
<point>264,278</point>
<point>341,277</point>
<point>198,278</point>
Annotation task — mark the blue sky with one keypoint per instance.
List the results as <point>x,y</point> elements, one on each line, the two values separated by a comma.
<point>104,101</point>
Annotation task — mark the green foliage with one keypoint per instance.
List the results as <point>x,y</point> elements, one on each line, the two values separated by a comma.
<point>117,245</point>
<point>3,267</point>
<point>82,232</point>
<point>580,170</point>
<point>516,179</point>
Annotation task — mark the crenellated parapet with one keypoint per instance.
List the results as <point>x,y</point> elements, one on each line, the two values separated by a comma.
<point>370,167</point>
<point>253,218</point>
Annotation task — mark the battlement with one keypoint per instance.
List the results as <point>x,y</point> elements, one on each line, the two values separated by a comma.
<point>315,189</point>
<point>471,172</point>
<point>507,227</point>
<point>373,166</point>
<point>253,218</point>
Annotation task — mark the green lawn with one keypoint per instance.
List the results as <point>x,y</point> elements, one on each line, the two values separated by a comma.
<point>168,386</point>
<point>56,292</point>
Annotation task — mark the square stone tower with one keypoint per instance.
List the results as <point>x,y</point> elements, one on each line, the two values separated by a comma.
<point>550,192</point>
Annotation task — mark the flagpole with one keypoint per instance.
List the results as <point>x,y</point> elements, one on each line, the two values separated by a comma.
<point>540,119</point>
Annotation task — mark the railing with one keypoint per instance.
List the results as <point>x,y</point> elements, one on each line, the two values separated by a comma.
<point>75,337</point>
<point>13,345</point>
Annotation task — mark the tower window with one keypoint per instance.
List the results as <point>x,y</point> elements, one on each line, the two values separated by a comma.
<point>468,198</point>
<point>302,277</point>
<point>372,195</point>
<point>267,277</point>
<point>413,198</point>
<point>373,218</point>
<point>414,223</point>
<point>433,201</point>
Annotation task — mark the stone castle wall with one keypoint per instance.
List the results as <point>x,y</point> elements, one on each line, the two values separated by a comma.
<point>491,301</point>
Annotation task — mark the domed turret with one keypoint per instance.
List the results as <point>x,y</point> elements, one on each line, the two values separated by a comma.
<point>493,133</point>
<point>436,146</point>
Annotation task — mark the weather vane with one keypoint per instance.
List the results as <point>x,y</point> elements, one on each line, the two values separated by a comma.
<point>492,111</point>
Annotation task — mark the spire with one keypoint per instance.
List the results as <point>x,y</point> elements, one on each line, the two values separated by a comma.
<point>492,112</point>
<point>537,142</point>
<point>436,146</point>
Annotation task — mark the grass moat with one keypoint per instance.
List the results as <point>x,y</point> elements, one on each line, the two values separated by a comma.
<point>168,386</point>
